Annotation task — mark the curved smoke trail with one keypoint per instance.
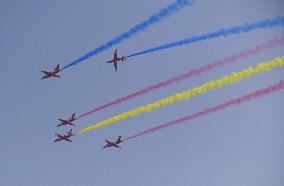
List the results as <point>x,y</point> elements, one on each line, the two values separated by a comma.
<point>248,97</point>
<point>247,27</point>
<point>233,78</point>
<point>227,60</point>
<point>156,18</point>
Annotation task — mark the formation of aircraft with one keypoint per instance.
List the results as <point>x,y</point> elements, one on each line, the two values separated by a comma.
<point>64,137</point>
<point>113,144</point>
<point>116,59</point>
<point>52,74</point>
<point>67,121</point>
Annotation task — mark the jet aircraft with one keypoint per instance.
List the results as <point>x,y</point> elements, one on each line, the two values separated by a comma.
<point>67,121</point>
<point>113,144</point>
<point>51,74</point>
<point>64,137</point>
<point>116,59</point>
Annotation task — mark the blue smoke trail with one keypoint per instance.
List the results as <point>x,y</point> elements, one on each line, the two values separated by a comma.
<point>278,21</point>
<point>156,18</point>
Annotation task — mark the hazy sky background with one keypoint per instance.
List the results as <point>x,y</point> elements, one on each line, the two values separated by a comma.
<point>243,145</point>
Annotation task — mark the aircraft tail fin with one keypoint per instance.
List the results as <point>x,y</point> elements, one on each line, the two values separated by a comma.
<point>118,140</point>
<point>73,116</point>
<point>70,132</point>
<point>57,67</point>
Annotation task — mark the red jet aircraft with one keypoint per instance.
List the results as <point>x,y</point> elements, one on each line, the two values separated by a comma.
<point>64,137</point>
<point>113,144</point>
<point>52,74</point>
<point>68,121</point>
<point>116,59</point>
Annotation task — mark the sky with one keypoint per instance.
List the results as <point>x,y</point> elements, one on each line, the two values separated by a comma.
<point>242,145</point>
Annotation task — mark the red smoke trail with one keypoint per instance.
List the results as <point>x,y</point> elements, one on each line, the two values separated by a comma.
<point>262,92</point>
<point>227,60</point>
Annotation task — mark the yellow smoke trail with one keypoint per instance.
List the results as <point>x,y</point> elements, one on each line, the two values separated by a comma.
<point>233,78</point>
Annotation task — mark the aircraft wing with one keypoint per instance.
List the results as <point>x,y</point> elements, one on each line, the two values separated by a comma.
<point>46,73</point>
<point>68,140</point>
<point>59,125</point>
<point>116,145</point>
<point>62,120</point>
<point>58,135</point>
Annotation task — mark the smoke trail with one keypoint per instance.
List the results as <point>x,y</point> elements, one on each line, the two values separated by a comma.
<point>233,78</point>
<point>156,18</point>
<point>268,23</point>
<point>227,60</point>
<point>240,100</point>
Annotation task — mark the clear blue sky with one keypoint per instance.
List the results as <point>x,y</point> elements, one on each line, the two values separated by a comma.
<point>243,145</point>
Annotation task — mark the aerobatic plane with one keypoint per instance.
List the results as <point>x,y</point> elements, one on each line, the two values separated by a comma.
<point>113,144</point>
<point>116,59</point>
<point>52,74</point>
<point>64,137</point>
<point>67,121</point>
